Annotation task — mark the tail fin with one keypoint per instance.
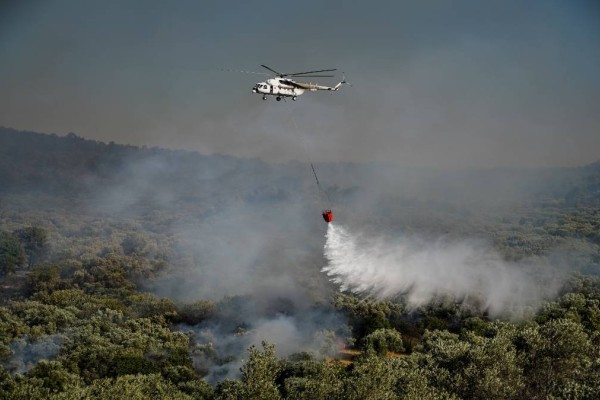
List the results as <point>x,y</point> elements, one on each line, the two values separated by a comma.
<point>343,82</point>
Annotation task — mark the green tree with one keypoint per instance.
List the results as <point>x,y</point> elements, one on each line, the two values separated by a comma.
<point>556,356</point>
<point>198,389</point>
<point>53,376</point>
<point>28,389</point>
<point>444,356</point>
<point>7,383</point>
<point>134,244</point>
<point>194,313</point>
<point>11,326</point>
<point>414,381</point>
<point>12,253</point>
<point>495,370</point>
<point>259,373</point>
<point>229,390</point>
<point>371,378</point>
<point>45,277</point>
<point>470,365</point>
<point>311,379</point>
<point>131,362</point>
<point>34,241</point>
<point>42,319</point>
<point>148,305</point>
<point>367,315</point>
<point>136,387</point>
<point>576,307</point>
<point>383,341</point>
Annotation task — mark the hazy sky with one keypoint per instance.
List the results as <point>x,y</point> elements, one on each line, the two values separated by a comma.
<point>436,83</point>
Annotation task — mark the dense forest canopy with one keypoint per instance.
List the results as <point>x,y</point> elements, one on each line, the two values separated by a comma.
<point>132,272</point>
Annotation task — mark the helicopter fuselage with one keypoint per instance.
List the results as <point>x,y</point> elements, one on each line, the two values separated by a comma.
<point>276,87</point>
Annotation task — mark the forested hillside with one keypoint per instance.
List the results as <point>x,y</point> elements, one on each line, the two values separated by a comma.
<point>71,165</point>
<point>136,273</point>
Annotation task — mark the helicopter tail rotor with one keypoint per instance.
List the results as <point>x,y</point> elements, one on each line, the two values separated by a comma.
<point>344,81</point>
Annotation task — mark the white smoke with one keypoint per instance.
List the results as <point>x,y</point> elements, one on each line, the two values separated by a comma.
<point>218,348</point>
<point>424,270</point>
<point>28,351</point>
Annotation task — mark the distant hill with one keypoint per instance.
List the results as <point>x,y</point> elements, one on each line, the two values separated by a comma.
<point>70,166</point>
<point>69,162</point>
<point>586,191</point>
<point>77,168</point>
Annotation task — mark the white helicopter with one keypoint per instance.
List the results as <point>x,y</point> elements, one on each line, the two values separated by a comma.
<point>283,86</point>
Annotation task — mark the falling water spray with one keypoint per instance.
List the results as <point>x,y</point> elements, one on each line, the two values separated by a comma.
<point>424,270</point>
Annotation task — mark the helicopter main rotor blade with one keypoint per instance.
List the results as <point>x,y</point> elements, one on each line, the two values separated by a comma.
<point>272,70</point>
<point>313,76</point>
<point>245,72</point>
<point>311,72</point>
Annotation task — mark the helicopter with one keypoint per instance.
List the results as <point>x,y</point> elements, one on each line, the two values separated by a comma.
<point>282,86</point>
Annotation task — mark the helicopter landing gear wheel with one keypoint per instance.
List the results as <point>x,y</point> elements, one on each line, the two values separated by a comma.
<point>295,98</point>
<point>278,98</point>
<point>264,97</point>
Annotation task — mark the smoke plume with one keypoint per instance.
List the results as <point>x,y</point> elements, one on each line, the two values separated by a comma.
<point>424,270</point>
<point>27,352</point>
<point>219,345</point>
